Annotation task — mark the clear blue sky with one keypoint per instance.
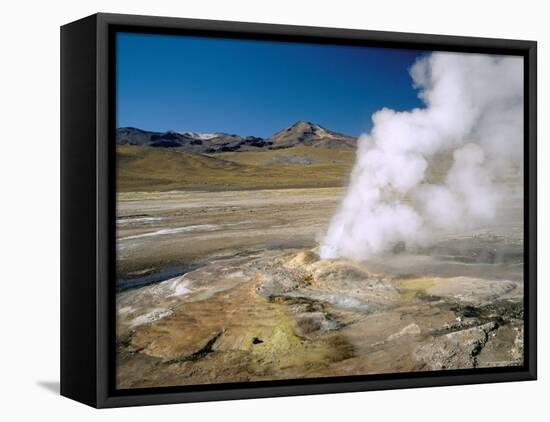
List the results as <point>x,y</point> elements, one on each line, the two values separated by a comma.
<point>256,87</point>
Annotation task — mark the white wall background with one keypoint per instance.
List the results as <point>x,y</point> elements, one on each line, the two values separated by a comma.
<point>29,236</point>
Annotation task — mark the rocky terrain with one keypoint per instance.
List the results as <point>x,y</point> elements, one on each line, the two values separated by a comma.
<point>300,133</point>
<point>290,315</point>
<point>229,287</point>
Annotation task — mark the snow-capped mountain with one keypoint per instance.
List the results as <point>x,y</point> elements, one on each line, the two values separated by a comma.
<point>300,133</point>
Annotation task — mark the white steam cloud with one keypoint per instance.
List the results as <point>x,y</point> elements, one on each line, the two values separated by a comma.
<point>436,169</point>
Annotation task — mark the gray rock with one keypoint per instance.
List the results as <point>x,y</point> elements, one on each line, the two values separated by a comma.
<point>455,350</point>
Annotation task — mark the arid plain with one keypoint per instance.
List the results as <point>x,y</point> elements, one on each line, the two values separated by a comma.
<point>219,278</point>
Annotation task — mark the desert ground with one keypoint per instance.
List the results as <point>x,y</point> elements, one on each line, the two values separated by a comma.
<point>219,280</point>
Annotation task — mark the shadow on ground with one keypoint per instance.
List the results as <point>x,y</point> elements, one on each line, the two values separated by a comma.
<point>51,386</point>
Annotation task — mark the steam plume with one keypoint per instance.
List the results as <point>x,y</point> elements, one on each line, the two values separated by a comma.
<point>436,169</point>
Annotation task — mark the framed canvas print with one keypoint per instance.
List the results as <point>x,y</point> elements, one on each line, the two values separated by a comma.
<point>253,210</point>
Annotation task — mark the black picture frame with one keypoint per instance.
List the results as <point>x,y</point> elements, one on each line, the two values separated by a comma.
<point>88,201</point>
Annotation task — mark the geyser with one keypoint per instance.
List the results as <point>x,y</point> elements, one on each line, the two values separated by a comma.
<point>437,169</point>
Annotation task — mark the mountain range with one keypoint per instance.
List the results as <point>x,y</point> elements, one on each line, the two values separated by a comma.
<point>300,133</point>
